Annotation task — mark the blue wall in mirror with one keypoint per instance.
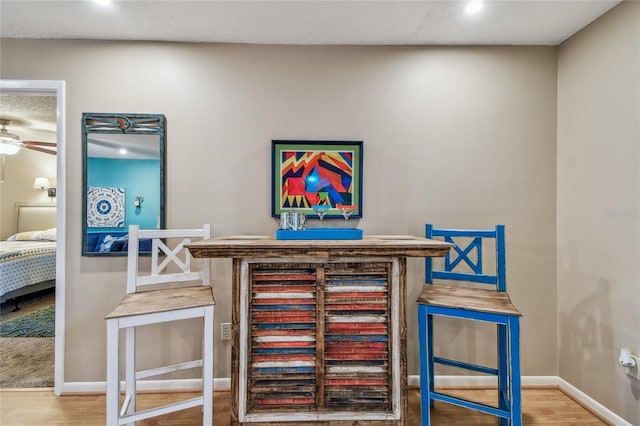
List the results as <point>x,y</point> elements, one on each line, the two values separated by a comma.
<point>137,177</point>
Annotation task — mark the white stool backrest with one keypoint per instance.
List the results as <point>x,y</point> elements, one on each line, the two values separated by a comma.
<point>163,256</point>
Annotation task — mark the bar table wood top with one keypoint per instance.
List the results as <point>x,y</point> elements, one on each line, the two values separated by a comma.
<point>319,327</point>
<point>248,246</point>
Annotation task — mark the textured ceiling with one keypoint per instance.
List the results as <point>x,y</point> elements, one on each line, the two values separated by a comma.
<point>41,111</point>
<point>507,22</point>
<point>33,117</point>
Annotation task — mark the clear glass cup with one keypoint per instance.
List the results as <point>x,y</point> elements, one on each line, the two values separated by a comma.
<point>346,211</point>
<point>321,210</point>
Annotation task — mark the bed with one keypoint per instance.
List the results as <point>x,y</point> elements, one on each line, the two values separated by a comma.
<point>28,257</point>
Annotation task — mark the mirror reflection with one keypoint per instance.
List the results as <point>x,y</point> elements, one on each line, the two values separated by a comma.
<point>123,179</point>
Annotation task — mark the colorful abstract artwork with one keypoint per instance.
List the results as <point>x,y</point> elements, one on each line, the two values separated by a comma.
<point>105,207</point>
<point>308,173</point>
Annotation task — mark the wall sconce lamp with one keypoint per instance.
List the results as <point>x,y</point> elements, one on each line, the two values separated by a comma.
<point>137,202</point>
<point>43,183</point>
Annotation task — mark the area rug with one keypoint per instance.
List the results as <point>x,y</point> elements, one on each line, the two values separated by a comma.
<point>26,362</point>
<point>40,323</point>
<point>27,350</point>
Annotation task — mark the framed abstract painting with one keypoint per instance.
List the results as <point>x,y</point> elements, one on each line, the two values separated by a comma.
<point>311,173</point>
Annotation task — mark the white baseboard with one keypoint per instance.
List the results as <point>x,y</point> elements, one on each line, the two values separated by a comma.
<point>483,381</point>
<point>146,385</point>
<point>412,381</point>
<point>591,404</point>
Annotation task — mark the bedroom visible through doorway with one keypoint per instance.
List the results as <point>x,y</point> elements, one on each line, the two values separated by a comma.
<point>28,178</point>
<point>45,135</point>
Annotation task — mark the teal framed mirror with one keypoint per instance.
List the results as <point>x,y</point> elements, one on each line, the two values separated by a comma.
<point>123,172</point>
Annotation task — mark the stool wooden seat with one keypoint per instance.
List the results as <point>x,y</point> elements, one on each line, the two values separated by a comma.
<point>472,299</point>
<point>160,305</point>
<point>469,302</point>
<point>156,301</point>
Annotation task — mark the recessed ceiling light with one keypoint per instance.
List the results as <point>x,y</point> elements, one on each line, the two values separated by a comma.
<point>102,2</point>
<point>473,7</point>
<point>122,151</point>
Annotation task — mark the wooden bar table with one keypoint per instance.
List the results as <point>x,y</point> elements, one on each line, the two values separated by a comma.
<point>319,327</point>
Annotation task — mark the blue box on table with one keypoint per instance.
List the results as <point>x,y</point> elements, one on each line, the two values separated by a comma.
<point>320,234</point>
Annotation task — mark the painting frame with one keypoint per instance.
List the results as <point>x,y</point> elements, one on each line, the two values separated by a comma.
<point>318,172</point>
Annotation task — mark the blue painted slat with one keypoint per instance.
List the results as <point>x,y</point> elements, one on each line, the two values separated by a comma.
<point>503,367</point>
<point>270,370</point>
<point>468,314</point>
<point>283,351</point>
<point>380,282</point>
<point>288,383</point>
<point>460,276</point>
<point>288,395</point>
<point>514,373</point>
<point>357,338</point>
<point>469,404</point>
<point>471,233</point>
<point>337,313</point>
<point>358,362</point>
<point>278,326</point>
<point>501,259</point>
<point>465,365</point>
<point>463,255</point>
<point>283,307</point>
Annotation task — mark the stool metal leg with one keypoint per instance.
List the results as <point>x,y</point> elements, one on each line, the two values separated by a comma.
<point>504,373</point>
<point>514,371</point>
<point>424,366</point>
<point>430,355</point>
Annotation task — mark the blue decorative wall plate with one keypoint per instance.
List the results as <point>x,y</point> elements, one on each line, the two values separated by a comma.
<point>105,207</point>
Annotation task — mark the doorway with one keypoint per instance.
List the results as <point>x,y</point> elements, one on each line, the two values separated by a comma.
<point>57,88</point>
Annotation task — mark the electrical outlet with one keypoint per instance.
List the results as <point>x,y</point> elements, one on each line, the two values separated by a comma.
<point>634,372</point>
<point>225,331</point>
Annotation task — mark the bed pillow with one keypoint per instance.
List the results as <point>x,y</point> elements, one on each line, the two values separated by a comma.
<point>45,235</point>
<point>144,247</point>
<point>108,243</point>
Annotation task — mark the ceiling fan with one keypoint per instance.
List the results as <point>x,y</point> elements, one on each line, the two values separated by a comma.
<point>10,143</point>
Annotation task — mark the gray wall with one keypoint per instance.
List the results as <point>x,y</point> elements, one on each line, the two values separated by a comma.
<point>454,136</point>
<point>599,207</point>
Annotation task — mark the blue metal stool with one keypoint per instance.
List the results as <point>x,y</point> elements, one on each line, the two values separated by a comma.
<point>490,305</point>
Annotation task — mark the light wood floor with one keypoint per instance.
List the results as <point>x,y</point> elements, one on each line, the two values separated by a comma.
<point>41,407</point>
